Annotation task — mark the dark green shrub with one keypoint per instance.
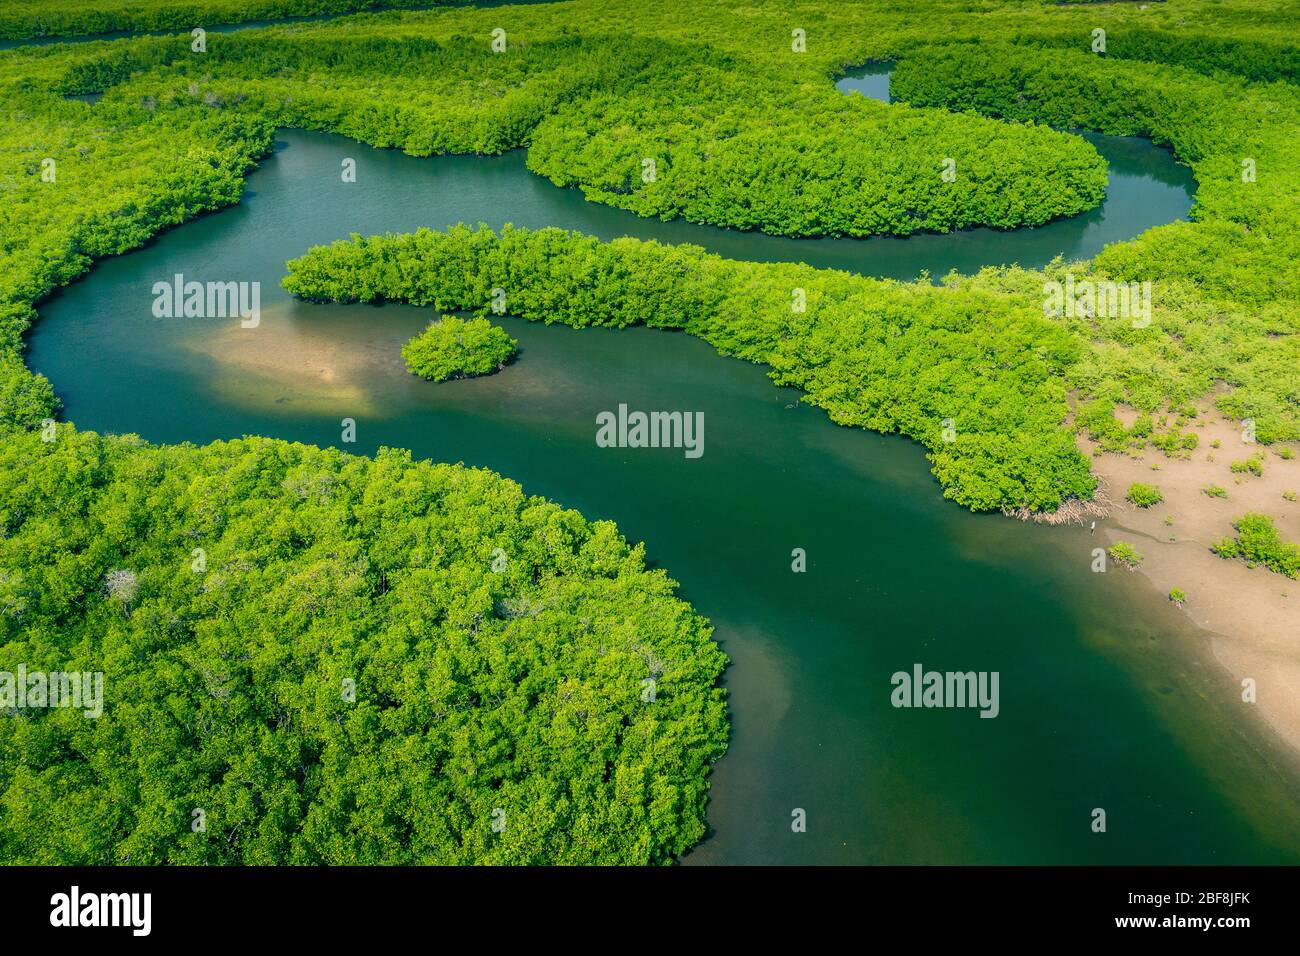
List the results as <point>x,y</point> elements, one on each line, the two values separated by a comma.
<point>453,347</point>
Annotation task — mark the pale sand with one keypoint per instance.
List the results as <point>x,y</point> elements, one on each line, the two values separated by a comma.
<point>294,367</point>
<point>1253,613</point>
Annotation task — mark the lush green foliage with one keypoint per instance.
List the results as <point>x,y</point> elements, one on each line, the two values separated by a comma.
<point>428,82</point>
<point>1178,596</point>
<point>1122,552</point>
<point>1226,290</point>
<point>220,710</point>
<point>453,347</point>
<point>1258,542</point>
<point>1144,496</point>
<point>731,143</point>
<point>881,355</point>
<point>22,19</point>
<point>121,173</point>
<point>733,147</point>
<point>499,647</point>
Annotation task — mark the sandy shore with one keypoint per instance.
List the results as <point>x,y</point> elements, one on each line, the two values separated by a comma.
<point>1253,613</point>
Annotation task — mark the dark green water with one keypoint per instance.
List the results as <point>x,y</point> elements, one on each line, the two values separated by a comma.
<point>1108,699</point>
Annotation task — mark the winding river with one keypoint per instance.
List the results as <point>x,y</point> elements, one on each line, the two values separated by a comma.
<point>1108,697</point>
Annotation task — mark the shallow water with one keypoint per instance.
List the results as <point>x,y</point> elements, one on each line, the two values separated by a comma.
<point>1108,699</point>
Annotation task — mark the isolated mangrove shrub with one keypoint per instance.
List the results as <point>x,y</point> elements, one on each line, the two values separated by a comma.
<point>1122,552</point>
<point>1144,496</point>
<point>1253,466</point>
<point>339,660</point>
<point>1257,542</point>
<point>452,347</point>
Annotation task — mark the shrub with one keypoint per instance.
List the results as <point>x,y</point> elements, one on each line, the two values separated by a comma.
<point>1144,496</point>
<point>1257,542</point>
<point>458,348</point>
<point>1215,491</point>
<point>1252,465</point>
<point>1124,553</point>
<point>1178,596</point>
<point>1175,443</point>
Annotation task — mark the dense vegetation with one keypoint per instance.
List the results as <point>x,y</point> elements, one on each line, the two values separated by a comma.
<point>22,19</point>
<point>1226,288</point>
<point>213,707</point>
<point>976,379</point>
<point>452,347</point>
<point>338,660</point>
<point>121,173</point>
<point>732,147</point>
<point>661,128</point>
<point>1258,542</point>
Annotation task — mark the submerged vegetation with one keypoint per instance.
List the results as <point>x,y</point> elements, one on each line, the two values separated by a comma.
<point>453,347</point>
<point>338,660</point>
